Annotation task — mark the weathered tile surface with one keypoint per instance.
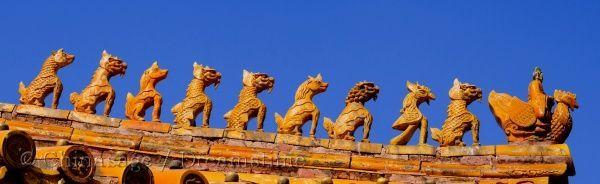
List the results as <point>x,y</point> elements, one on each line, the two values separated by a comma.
<point>315,159</point>
<point>453,151</point>
<point>533,150</point>
<point>172,147</point>
<point>41,131</point>
<point>382,164</point>
<point>106,139</point>
<point>94,119</point>
<point>42,111</point>
<point>200,132</point>
<point>410,150</point>
<point>251,136</point>
<point>146,126</point>
<point>301,141</point>
<point>4,107</point>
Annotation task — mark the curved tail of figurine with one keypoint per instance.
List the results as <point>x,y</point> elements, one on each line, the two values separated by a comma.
<point>278,120</point>
<point>328,124</point>
<point>128,109</point>
<point>22,88</point>
<point>435,135</point>
<point>176,110</point>
<point>74,98</point>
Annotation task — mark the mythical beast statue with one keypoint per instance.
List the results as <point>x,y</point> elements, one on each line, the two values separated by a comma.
<point>196,100</point>
<point>99,88</point>
<point>303,108</point>
<point>533,121</point>
<point>249,105</point>
<point>411,117</point>
<point>459,119</point>
<point>135,107</point>
<point>46,81</point>
<point>354,114</point>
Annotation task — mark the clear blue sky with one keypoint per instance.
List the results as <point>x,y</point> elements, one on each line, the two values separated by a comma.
<point>493,45</point>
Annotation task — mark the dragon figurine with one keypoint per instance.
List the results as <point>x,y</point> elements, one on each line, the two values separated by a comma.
<point>249,105</point>
<point>303,108</point>
<point>411,117</point>
<point>196,100</point>
<point>135,107</point>
<point>46,81</point>
<point>533,121</point>
<point>99,88</point>
<point>562,122</point>
<point>459,119</point>
<point>354,114</point>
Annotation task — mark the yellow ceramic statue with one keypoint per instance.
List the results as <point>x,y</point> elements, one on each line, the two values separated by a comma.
<point>354,114</point>
<point>533,121</point>
<point>99,88</point>
<point>196,100</point>
<point>459,119</point>
<point>411,117</point>
<point>303,108</point>
<point>46,81</point>
<point>148,96</point>
<point>249,105</point>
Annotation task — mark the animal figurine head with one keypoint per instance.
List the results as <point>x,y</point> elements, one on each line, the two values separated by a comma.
<point>316,84</point>
<point>566,98</point>
<point>62,58</point>
<point>465,91</point>
<point>362,92</point>
<point>154,73</point>
<point>207,75</point>
<point>112,64</point>
<point>422,93</point>
<point>537,74</point>
<point>260,81</point>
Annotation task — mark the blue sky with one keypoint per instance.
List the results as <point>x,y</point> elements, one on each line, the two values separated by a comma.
<point>494,45</point>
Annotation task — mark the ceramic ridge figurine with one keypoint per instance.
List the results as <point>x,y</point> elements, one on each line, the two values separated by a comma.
<point>196,100</point>
<point>533,121</point>
<point>46,81</point>
<point>303,108</point>
<point>411,117</point>
<point>148,96</point>
<point>249,105</point>
<point>459,119</point>
<point>354,114</point>
<point>99,88</point>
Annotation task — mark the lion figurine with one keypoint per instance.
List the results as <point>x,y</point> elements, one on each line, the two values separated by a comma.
<point>196,100</point>
<point>46,81</point>
<point>354,114</point>
<point>303,108</point>
<point>249,105</point>
<point>411,117</point>
<point>135,107</point>
<point>459,119</point>
<point>99,88</point>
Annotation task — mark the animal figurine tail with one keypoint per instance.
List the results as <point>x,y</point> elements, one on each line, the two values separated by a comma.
<point>176,108</point>
<point>74,97</point>
<point>127,101</point>
<point>22,88</point>
<point>278,120</point>
<point>226,115</point>
<point>435,134</point>
<point>328,124</point>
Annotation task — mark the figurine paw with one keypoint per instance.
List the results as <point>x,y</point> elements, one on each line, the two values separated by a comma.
<point>366,141</point>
